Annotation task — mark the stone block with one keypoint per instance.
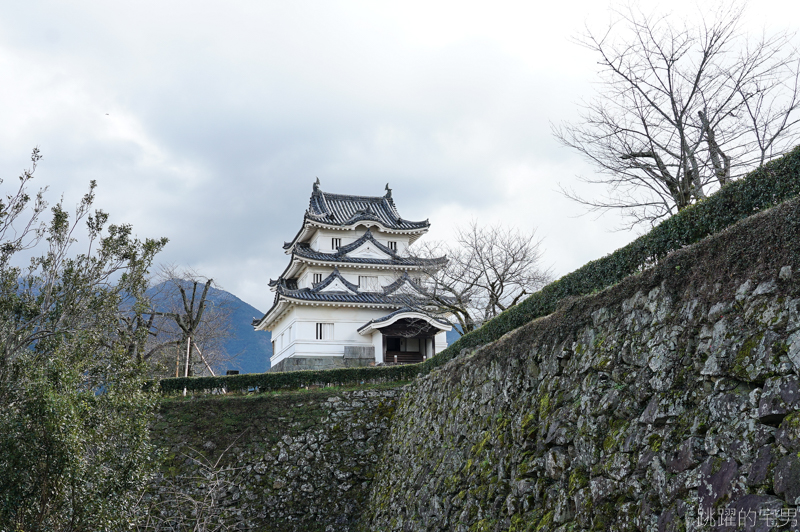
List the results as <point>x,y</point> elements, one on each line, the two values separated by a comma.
<point>759,468</point>
<point>716,481</point>
<point>557,461</point>
<point>308,363</point>
<point>359,352</point>
<point>786,481</point>
<point>779,397</point>
<point>687,456</point>
<point>788,433</point>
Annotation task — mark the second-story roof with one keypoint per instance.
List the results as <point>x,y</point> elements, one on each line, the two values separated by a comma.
<point>304,251</point>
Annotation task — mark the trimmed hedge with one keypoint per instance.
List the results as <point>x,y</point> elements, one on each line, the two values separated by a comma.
<point>765,187</point>
<point>263,382</point>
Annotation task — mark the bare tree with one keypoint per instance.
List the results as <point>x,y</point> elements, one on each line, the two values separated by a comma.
<point>189,328</point>
<point>194,502</point>
<point>488,270</point>
<point>682,108</point>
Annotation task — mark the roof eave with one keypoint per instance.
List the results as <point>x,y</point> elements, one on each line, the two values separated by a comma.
<point>370,327</point>
<point>308,223</point>
<point>272,315</point>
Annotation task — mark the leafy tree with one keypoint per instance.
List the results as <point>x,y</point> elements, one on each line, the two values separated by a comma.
<point>74,449</point>
<point>682,107</point>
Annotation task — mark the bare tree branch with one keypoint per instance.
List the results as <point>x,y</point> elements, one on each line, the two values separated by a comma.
<point>681,109</point>
<point>489,269</point>
<point>188,321</point>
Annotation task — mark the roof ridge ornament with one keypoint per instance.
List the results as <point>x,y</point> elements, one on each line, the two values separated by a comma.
<point>316,185</point>
<point>388,192</point>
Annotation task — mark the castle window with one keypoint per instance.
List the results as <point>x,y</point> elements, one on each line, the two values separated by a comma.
<point>393,245</point>
<point>336,243</point>
<point>324,331</point>
<point>368,283</point>
<point>317,278</point>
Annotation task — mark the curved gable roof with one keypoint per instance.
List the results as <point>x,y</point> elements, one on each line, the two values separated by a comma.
<point>404,313</point>
<point>304,251</point>
<point>319,287</point>
<point>345,210</point>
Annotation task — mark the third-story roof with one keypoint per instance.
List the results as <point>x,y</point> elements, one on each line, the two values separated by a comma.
<point>344,210</point>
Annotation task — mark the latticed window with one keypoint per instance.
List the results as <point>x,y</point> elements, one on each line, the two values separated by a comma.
<point>317,278</point>
<point>393,245</point>
<point>324,331</point>
<point>336,243</point>
<point>368,283</point>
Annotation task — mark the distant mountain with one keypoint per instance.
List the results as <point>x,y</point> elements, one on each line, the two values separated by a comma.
<point>252,350</point>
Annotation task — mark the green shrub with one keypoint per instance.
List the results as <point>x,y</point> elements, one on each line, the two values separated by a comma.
<point>292,379</point>
<point>773,183</point>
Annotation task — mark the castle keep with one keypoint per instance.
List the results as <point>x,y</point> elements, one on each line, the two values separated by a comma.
<point>351,294</point>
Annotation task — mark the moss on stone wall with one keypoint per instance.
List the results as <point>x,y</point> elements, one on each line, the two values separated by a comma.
<point>292,461</point>
<point>673,392</point>
<point>635,408</point>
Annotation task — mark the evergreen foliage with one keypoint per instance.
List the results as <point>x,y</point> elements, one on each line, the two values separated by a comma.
<point>74,444</point>
<point>263,382</point>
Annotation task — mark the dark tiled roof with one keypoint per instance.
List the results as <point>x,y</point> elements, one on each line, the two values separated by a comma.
<point>391,288</point>
<point>331,278</point>
<point>401,311</point>
<point>388,296</point>
<point>342,209</point>
<point>290,283</point>
<point>305,251</point>
<point>345,210</point>
<point>371,298</point>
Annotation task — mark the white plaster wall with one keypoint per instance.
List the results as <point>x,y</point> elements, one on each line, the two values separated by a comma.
<point>346,322</point>
<point>377,343</point>
<point>303,320</point>
<point>321,239</point>
<point>385,276</point>
<point>441,341</point>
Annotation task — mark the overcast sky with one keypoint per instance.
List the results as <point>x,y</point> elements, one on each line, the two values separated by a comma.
<point>207,122</point>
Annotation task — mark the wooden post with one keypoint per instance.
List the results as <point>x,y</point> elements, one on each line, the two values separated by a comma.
<point>204,360</point>
<point>188,355</point>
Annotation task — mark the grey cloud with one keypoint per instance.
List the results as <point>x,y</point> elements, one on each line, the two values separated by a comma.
<point>222,114</point>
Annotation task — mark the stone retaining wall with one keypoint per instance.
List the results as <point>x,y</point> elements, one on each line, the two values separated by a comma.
<point>293,462</point>
<point>654,405</point>
<point>667,402</point>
